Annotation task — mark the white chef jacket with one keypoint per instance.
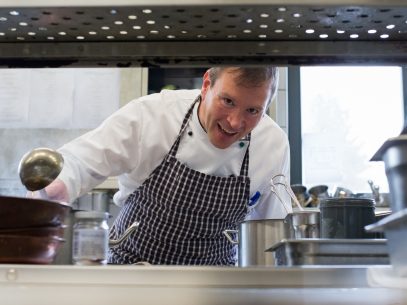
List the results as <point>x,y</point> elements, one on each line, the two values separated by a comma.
<point>133,141</point>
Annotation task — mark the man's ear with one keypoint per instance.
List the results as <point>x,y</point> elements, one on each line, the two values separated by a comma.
<point>206,84</point>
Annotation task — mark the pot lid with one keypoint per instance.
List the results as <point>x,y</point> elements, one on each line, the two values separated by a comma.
<point>401,139</point>
<point>346,202</point>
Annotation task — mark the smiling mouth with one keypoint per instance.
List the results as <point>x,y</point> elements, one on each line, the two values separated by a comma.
<point>229,133</point>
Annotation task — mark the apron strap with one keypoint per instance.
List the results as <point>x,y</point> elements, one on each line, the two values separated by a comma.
<point>175,145</point>
<point>244,170</point>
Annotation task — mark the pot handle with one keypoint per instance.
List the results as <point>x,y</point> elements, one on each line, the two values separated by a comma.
<point>230,238</point>
<point>129,230</point>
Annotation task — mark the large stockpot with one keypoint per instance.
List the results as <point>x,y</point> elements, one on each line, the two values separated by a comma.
<point>254,237</point>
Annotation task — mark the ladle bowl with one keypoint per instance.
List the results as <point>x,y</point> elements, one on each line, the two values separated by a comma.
<point>39,167</point>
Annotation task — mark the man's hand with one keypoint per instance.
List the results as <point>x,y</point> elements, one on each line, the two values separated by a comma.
<point>56,191</point>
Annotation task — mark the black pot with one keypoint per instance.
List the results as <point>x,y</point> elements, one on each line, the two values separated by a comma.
<point>346,217</point>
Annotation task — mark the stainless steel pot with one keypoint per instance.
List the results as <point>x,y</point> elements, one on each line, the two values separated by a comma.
<point>254,237</point>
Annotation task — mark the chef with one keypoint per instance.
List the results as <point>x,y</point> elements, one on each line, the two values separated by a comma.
<point>190,164</point>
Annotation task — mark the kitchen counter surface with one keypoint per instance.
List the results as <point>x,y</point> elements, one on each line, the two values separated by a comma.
<point>59,284</point>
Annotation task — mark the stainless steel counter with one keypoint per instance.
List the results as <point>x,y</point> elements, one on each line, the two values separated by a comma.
<point>30,284</point>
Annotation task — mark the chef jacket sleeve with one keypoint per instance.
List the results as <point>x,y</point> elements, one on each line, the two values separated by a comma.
<point>109,150</point>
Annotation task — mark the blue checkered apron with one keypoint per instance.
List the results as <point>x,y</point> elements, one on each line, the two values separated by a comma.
<point>182,214</point>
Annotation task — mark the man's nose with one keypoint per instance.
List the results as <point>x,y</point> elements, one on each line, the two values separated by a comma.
<point>236,119</point>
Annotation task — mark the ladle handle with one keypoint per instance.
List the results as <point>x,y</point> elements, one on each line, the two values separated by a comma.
<point>40,194</point>
<point>43,193</point>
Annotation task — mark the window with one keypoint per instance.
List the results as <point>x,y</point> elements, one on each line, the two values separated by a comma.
<point>346,115</point>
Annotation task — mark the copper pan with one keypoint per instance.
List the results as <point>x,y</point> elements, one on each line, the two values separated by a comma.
<point>19,212</point>
<point>49,232</point>
<point>25,249</point>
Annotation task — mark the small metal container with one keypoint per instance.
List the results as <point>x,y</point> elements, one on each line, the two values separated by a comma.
<point>395,228</point>
<point>96,200</point>
<point>305,223</point>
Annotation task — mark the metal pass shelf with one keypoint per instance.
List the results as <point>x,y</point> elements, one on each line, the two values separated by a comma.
<point>183,285</point>
<point>201,33</point>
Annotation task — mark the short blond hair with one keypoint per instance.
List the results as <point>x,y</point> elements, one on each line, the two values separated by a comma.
<point>250,77</point>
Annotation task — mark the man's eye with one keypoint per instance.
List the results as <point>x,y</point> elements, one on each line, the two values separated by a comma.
<point>252,111</point>
<point>227,101</point>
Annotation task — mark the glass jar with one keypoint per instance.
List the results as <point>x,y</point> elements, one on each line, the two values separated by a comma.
<point>90,238</point>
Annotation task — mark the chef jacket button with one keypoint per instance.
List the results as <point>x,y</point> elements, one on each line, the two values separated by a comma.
<point>190,133</point>
<point>241,144</point>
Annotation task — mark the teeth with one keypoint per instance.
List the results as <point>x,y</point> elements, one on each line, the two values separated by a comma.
<point>228,132</point>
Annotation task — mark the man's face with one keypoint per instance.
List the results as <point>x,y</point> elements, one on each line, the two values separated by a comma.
<point>229,111</point>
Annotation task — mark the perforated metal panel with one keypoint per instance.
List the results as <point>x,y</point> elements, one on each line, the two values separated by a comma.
<point>275,32</point>
<point>185,23</point>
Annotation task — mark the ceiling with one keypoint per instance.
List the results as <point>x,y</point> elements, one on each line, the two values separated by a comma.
<point>198,33</point>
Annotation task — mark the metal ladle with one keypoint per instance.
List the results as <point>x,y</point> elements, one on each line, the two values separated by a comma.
<point>39,167</point>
